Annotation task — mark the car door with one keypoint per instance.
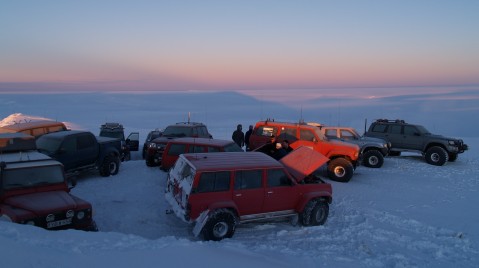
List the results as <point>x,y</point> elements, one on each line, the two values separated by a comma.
<point>412,138</point>
<point>395,136</point>
<point>87,149</point>
<point>279,191</point>
<point>133,141</point>
<point>248,191</point>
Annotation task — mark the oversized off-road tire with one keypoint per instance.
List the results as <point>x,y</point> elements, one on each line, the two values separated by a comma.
<point>110,166</point>
<point>315,213</point>
<point>452,157</point>
<point>373,159</point>
<point>436,156</point>
<point>221,224</point>
<point>340,169</point>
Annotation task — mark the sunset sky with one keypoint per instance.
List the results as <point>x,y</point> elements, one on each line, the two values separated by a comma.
<point>237,45</point>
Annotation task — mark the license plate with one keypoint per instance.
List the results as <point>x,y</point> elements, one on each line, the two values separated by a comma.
<point>54,224</point>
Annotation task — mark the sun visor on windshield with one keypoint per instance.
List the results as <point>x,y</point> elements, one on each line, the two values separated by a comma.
<point>303,161</point>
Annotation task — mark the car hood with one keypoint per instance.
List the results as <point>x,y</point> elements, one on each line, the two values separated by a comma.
<point>43,203</point>
<point>302,162</point>
<point>163,139</point>
<point>373,140</point>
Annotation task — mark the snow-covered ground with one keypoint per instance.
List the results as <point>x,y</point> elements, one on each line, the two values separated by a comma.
<point>405,214</point>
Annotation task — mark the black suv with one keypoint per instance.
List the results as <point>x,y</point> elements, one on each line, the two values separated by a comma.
<point>405,137</point>
<point>154,152</point>
<point>151,136</point>
<point>116,131</point>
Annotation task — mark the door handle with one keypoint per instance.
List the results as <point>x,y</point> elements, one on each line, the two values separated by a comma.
<point>238,195</point>
<point>270,192</point>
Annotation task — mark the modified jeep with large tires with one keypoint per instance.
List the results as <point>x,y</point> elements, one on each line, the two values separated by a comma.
<point>343,156</point>
<point>81,151</point>
<point>373,150</point>
<point>404,137</point>
<point>216,192</point>
<point>34,190</point>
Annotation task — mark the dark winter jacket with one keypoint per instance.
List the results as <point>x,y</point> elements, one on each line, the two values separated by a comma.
<point>238,136</point>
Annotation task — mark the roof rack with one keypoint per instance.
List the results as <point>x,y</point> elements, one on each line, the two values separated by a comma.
<point>399,121</point>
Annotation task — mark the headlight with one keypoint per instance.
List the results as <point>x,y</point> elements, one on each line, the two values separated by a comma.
<point>80,215</point>
<point>152,145</point>
<point>452,143</point>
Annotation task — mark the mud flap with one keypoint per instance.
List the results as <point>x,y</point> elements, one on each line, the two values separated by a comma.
<point>200,222</point>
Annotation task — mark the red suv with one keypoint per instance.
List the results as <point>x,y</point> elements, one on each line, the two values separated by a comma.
<point>343,156</point>
<point>215,192</point>
<point>154,152</point>
<point>194,145</point>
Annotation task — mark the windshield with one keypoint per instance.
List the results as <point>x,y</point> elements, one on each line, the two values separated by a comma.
<point>48,145</point>
<point>31,177</point>
<point>173,131</point>
<point>110,134</point>
<point>233,147</point>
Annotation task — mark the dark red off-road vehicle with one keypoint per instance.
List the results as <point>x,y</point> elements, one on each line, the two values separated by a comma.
<point>218,191</point>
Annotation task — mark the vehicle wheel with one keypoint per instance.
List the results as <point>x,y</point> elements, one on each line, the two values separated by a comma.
<point>452,157</point>
<point>373,159</point>
<point>340,169</point>
<point>110,166</point>
<point>436,156</point>
<point>315,213</point>
<point>394,153</point>
<point>221,224</point>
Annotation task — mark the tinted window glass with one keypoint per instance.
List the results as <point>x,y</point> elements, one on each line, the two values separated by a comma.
<point>331,133</point>
<point>306,135</point>
<point>56,128</point>
<point>69,145</point>
<point>346,134</point>
<point>85,141</point>
<point>212,149</point>
<point>409,130</point>
<point>214,181</point>
<point>232,147</point>
<point>395,129</point>
<point>177,149</point>
<point>248,179</point>
<point>196,149</point>
<point>277,177</point>
<point>38,131</point>
<point>379,128</point>
<point>288,134</point>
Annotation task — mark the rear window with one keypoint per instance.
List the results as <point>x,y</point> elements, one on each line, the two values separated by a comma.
<point>214,182</point>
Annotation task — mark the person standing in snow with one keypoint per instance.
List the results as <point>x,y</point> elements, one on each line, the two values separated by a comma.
<point>246,137</point>
<point>238,136</point>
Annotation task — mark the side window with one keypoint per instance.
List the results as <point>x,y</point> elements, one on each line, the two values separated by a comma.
<point>288,134</point>
<point>331,133</point>
<point>277,177</point>
<point>248,179</point>
<point>85,141</point>
<point>194,132</point>
<point>196,149</point>
<point>212,149</point>
<point>379,128</point>
<point>177,149</point>
<point>346,134</point>
<point>266,131</point>
<point>394,129</point>
<point>69,145</point>
<point>214,182</point>
<point>410,130</point>
<point>203,132</point>
<point>306,135</point>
